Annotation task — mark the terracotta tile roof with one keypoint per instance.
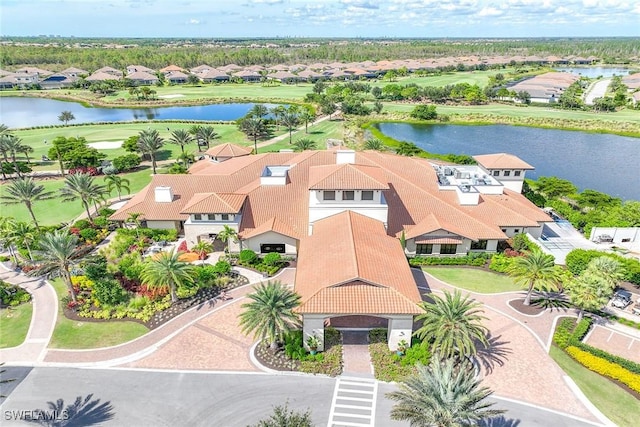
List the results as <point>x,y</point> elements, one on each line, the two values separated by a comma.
<point>272,224</point>
<point>502,161</point>
<point>347,177</point>
<point>214,203</point>
<point>431,223</point>
<point>228,150</point>
<point>364,268</point>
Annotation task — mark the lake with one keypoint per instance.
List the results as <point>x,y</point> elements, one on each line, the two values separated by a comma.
<point>595,72</point>
<point>17,112</point>
<point>602,162</point>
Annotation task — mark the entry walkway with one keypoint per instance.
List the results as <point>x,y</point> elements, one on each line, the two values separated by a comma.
<point>45,313</point>
<point>355,354</point>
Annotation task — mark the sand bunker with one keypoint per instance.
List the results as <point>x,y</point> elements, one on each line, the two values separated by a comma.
<point>176,95</point>
<point>106,145</point>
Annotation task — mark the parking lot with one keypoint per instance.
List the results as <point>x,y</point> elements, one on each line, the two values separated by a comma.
<point>614,342</point>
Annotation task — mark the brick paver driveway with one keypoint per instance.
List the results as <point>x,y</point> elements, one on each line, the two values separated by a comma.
<point>614,342</point>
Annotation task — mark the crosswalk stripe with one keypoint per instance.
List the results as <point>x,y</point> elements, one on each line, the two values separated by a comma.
<point>341,410</point>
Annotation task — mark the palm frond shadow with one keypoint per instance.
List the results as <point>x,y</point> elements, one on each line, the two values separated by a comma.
<point>494,354</point>
<point>500,421</point>
<point>83,412</point>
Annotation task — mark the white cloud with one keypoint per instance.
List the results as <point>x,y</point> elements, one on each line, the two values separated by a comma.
<point>490,11</point>
<point>194,21</point>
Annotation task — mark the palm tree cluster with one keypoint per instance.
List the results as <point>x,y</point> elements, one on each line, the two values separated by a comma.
<point>10,147</point>
<point>535,270</point>
<point>594,286</point>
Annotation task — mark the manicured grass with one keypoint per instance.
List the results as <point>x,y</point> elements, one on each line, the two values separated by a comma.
<point>473,279</point>
<point>328,129</point>
<point>50,212</point>
<point>116,132</point>
<point>14,324</point>
<point>615,403</point>
<point>72,334</point>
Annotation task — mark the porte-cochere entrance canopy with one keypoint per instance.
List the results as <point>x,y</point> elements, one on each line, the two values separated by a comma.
<point>350,266</point>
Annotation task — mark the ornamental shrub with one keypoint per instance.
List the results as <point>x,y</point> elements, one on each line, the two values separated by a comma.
<point>606,368</point>
<point>248,257</point>
<point>500,263</point>
<point>627,364</point>
<point>521,243</point>
<point>109,292</point>
<point>89,234</point>
<point>564,332</point>
<point>581,330</point>
<point>272,259</point>
<point>81,224</point>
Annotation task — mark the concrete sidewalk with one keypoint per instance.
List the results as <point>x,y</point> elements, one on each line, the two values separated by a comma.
<point>45,313</point>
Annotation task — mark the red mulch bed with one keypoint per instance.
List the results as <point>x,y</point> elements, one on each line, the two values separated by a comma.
<point>530,310</point>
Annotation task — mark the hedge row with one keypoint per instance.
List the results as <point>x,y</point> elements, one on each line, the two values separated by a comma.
<point>606,368</point>
<point>477,260</point>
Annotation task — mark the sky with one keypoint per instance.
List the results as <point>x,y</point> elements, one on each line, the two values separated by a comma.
<point>321,18</point>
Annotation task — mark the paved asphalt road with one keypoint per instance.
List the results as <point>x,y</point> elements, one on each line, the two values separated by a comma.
<point>145,398</point>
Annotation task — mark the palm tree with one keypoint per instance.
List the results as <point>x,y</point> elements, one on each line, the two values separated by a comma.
<point>290,120</point>
<point>270,314</point>
<point>202,248</point>
<point>454,324</point>
<point>57,251</point>
<point>166,271</point>
<point>117,182</point>
<point>187,158</point>
<point>206,135</point>
<point>227,234</point>
<point>150,142</point>
<point>26,149</point>
<point>606,268</point>
<point>181,137</point>
<point>81,185</point>
<point>277,112</point>
<point>66,117</point>
<point>135,218</point>
<point>304,144</point>
<point>25,190</point>
<point>7,237</point>
<point>588,292</point>
<point>25,234</point>
<point>442,395</point>
<point>259,111</point>
<point>254,128</point>
<point>373,144</point>
<point>307,115</point>
<point>534,270</point>
<point>11,144</point>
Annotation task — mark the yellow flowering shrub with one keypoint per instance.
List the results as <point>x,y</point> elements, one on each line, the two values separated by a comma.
<point>606,368</point>
<point>82,282</point>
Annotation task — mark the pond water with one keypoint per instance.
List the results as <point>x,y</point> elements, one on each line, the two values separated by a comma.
<point>602,162</point>
<point>595,72</point>
<point>16,112</point>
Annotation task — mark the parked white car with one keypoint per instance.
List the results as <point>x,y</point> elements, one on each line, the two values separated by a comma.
<point>621,299</point>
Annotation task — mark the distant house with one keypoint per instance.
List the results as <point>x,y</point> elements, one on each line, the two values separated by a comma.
<point>101,76</point>
<point>74,72</point>
<point>142,78</point>
<point>33,70</point>
<point>284,77</point>
<point>58,81</point>
<point>222,152</point>
<point>213,76</point>
<point>248,76</point>
<point>310,75</point>
<point>131,69</point>
<point>176,77</point>
<point>109,70</point>
<point>171,69</point>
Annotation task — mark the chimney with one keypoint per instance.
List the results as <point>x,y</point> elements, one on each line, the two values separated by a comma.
<point>164,195</point>
<point>345,156</point>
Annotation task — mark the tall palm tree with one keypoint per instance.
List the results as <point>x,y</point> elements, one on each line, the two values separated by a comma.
<point>442,395</point>
<point>135,218</point>
<point>290,120</point>
<point>270,314</point>
<point>166,271</point>
<point>202,248</point>
<point>259,111</point>
<point>606,268</point>
<point>181,137</point>
<point>150,142</point>
<point>227,234</point>
<point>11,145</point>
<point>304,144</point>
<point>58,249</point>
<point>7,237</point>
<point>307,115</point>
<point>25,234</point>
<point>25,190</point>
<point>453,323</point>
<point>26,149</point>
<point>206,135</point>
<point>534,270</point>
<point>588,292</point>
<point>82,185</point>
<point>277,112</point>
<point>254,128</point>
<point>117,182</point>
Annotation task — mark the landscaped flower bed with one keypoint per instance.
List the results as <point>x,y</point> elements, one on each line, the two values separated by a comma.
<point>12,295</point>
<point>389,366</point>
<point>293,357</point>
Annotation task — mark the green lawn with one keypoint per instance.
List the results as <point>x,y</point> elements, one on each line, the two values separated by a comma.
<point>616,404</point>
<point>328,129</point>
<point>116,132</point>
<point>72,334</point>
<point>473,279</point>
<point>14,324</point>
<point>50,212</point>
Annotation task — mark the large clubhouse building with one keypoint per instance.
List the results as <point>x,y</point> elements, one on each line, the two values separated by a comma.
<point>343,214</point>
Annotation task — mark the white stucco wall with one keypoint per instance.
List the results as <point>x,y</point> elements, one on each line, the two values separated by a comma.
<point>461,249</point>
<point>400,328</point>
<point>618,233</point>
<point>313,324</point>
<point>164,225</point>
<point>271,237</point>
<point>194,229</point>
